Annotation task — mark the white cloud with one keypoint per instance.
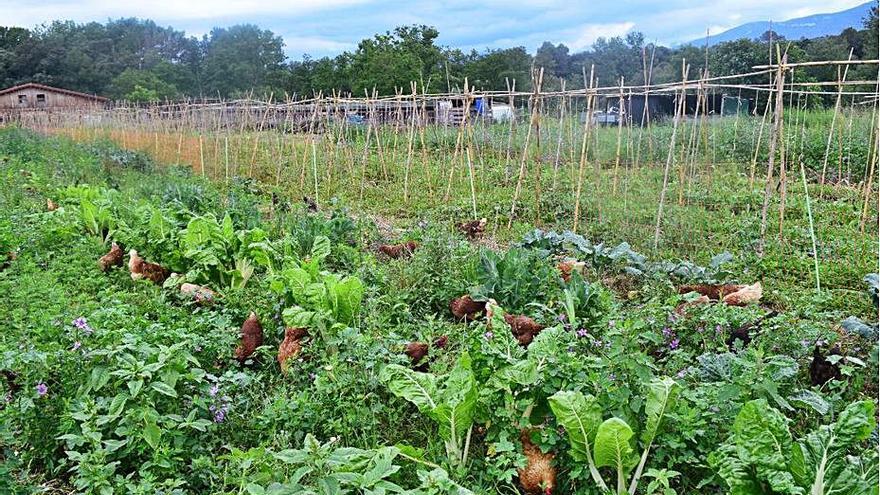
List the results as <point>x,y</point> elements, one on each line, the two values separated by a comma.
<point>326,27</point>
<point>586,34</point>
<point>164,10</point>
<point>309,44</point>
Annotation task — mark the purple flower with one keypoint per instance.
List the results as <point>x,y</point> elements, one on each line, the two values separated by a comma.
<point>667,332</point>
<point>612,377</point>
<point>718,328</point>
<point>83,325</point>
<point>42,389</point>
<point>76,345</point>
<point>611,323</point>
<point>674,344</point>
<point>682,373</point>
<point>561,317</point>
<point>312,376</point>
<point>219,412</point>
<point>570,349</point>
<point>488,335</point>
<point>214,389</point>
<point>581,333</point>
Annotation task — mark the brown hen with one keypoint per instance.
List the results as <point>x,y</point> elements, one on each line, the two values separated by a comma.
<point>199,293</point>
<point>465,308</point>
<point>291,346</point>
<point>251,338</point>
<point>744,296</point>
<point>473,229</point>
<point>111,259</point>
<point>539,475</point>
<point>142,269</point>
<point>524,329</point>
<point>402,250</point>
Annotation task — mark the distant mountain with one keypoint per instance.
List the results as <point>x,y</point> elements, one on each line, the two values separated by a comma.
<point>812,26</point>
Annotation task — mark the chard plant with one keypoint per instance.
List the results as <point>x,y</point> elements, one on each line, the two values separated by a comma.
<point>608,443</point>
<point>760,456</point>
<point>317,299</point>
<point>450,401</point>
<point>216,253</point>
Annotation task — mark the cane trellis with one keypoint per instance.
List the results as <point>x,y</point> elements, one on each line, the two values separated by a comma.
<point>789,173</point>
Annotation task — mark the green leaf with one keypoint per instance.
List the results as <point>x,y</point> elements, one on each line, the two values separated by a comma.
<point>299,317</point>
<point>254,489</point>
<point>455,409</point>
<point>346,299</point>
<point>320,248</point>
<point>612,445</point>
<point>418,388</point>
<point>581,416</point>
<point>117,405</point>
<point>855,423</point>
<point>763,440</point>
<point>152,434</point>
<point>163,388</point>
<point>135,386</point>
<point>808,398</point>
<point>661,396</point>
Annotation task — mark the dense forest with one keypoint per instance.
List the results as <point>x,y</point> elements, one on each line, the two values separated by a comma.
<point>138,60</point>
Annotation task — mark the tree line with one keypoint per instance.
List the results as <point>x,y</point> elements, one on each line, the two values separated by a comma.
<point>139,60</point>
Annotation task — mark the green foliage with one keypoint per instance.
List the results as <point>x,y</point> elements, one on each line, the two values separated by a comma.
<point>760,456</point>
<point>582,418</point>
<point>217,254</point>
<point>514,278</point>
<point>450,404</point>
<point>142,86</point>
<point>111,386</point>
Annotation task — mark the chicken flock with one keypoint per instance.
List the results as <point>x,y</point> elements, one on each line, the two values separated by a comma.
<point>538,475</point>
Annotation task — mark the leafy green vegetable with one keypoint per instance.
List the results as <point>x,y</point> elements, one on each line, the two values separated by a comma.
<point>613,449</point>
<point>760,456</point>
<point>451,406</point>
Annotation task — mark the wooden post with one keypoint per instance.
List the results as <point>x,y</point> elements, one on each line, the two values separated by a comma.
<point>834,118</point>
<point>774,139</point>
<point>619,136</point>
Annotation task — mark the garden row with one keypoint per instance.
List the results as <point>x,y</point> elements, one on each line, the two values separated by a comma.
<point>412,360</point>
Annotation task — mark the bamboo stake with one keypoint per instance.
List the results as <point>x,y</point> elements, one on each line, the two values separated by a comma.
<point>559,136</point>
<point>619,135</point>
<point>812,229</point>
<point>409,146</point>
<point>588,89</point>
<point>670,155</point>
<point>536,81</point>
<point>833,120</point>
<point>775,133</point>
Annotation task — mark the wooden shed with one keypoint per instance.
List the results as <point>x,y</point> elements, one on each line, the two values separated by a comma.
<point>32,96</point>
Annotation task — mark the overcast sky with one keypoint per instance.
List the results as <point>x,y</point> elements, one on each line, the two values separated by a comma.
<point>327,27</point>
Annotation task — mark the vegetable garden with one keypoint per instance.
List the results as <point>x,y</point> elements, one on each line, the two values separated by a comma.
<point>535,306</point>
